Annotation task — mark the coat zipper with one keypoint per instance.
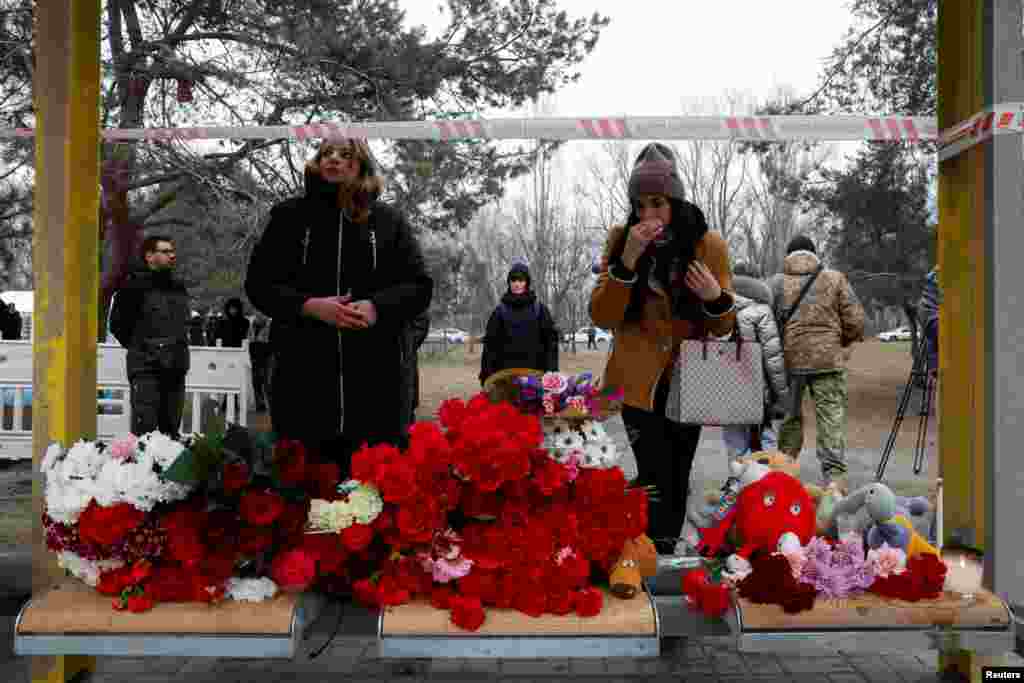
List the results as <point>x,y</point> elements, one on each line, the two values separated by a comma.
<point>341,359</point>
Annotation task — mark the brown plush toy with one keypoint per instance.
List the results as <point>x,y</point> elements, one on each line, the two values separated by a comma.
<point>638,560</point>
<point>776,461</point>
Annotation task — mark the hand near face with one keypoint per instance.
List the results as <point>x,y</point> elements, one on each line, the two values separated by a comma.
<point>702,282</point>
<point>640,235</point>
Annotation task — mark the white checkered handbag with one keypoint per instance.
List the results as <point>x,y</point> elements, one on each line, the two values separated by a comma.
<point>717,382</point>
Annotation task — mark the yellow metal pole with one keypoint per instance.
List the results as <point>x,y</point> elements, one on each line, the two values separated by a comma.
<point>65,255</point>
<point>967,80</point>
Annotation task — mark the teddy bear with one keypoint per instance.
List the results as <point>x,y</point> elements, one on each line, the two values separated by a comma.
<point>888,522</point>
<point>638,561</point>
<point>772,509</point>
<point>777,461</point>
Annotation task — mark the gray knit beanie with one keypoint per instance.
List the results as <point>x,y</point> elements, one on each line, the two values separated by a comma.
<point>655,172</point>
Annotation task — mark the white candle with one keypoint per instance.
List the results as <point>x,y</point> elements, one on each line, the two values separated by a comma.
<point>963,575</point>
<point>938,515</point>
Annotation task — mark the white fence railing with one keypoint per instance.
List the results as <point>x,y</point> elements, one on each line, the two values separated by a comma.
<point>216,373</point>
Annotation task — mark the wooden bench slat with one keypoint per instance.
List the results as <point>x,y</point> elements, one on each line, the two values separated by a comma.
<point>870,611</point>
<point>633,617</point>
<point>73,607</point>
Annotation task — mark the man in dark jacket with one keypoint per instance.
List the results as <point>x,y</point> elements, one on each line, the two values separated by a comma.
<point>341,275</point>
<point>150,318</point>
<point>520,332</point>
<point>233,328</point>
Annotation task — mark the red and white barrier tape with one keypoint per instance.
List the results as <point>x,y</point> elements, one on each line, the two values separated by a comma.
<point>750,128</point>
<point>1000,119</point>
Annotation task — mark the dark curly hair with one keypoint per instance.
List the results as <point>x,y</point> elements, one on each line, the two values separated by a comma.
<point>687,228</point>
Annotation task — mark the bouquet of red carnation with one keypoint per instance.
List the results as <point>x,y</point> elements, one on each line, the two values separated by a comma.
<point>922,579</point>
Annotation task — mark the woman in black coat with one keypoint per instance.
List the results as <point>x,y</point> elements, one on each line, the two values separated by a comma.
<point>341,275</point>
<point>520,332</point>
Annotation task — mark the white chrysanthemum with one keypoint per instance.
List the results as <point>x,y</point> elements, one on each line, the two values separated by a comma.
<point>365,503</point>
<point>65,501</point>
<point>251,590</point>
<point>87,571</point>
<point>567,441</point>
<point>565,455</point>
<point>53,455</point>
<point>84,459</point>
<point>162,448</point>
<point>593,431</point>
<point>330,516</point>
<point>600,455</point>
<point>362,505</point>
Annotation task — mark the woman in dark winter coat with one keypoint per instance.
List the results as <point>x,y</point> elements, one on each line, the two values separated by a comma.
<point>520,332</point>
<point>341,275</point>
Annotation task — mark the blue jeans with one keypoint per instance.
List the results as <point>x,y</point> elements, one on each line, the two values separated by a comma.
<point>737,439</point>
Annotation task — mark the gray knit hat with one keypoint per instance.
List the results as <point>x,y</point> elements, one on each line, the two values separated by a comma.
<point>655,172</point>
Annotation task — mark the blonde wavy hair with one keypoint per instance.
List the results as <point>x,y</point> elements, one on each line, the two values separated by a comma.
<point>353,198</point>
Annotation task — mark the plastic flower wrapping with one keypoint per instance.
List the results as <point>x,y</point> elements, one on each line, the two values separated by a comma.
<point>555,394</point>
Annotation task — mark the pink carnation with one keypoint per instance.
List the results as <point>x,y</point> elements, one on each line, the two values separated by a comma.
<point>887,561</point>
<point>577,402</point>
<point>797,559</point>
<point>124,447</point>
<point>554,382</point>
<point>549,405</point>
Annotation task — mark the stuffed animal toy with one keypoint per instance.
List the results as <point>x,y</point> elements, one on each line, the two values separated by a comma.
<point>766,510</point>
<point>776,461</point>
<point>639,560</point>
<point>825,501</point>
<point>742,473</point>
<point>888,524</point>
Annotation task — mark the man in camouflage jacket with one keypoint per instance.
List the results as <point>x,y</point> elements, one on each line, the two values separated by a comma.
<point>815,340</point>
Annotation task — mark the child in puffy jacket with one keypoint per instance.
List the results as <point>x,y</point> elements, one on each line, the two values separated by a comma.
<point>756,323</point>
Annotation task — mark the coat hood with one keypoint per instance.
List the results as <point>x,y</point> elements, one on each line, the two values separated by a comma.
<point>800,263</point>
<point>753,289</point>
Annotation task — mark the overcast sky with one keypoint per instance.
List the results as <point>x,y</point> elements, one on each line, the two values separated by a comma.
<point>664,57</point>
<point>656,53</point>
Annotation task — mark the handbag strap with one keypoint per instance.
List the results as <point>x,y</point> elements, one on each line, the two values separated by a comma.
<point>735,336</point>
<point>785,317</point>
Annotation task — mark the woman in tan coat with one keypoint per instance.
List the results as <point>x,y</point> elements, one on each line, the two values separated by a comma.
<point>667,279</point>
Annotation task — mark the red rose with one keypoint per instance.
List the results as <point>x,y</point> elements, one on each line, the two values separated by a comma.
<point>357,537</point>
<point>326,550</point>
<point>693,583</point>
<point>139,572</point>
<point>290,526</point>
<point>260,508</point>
<point>170,584</point>
<point>560,603</point>
<point>108,525</point>
<point>290,462</point>
<point>452,413</point>
<point>236,476</point>
<point>114,581</point>
<point>253,540</point>
<point>714,600</point>
<point>140,603</point>
<point>467,613</point>
<point>532,600</point>
<point>185,546</point>
<point>389,592</point>
<point>588,602</point>
<point>365,593</point>
<point>441,597</point>
<point>322,480</point>
<point>293,570</point>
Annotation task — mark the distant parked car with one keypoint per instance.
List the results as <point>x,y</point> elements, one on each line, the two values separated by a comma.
<point>601,337</point>
<point>452,334</point>
<point>899,334</point>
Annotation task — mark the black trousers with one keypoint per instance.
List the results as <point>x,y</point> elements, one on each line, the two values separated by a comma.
<point>157,402</point>
<point>259,356</point>
<point>664,452</point>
